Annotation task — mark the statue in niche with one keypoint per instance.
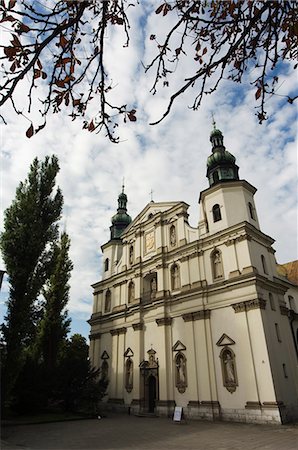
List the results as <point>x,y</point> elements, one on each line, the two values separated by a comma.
<point>131,292</point>
<point>217,265</point>
<point>180,362</point>
<point>131,255</point>
<point>153,287</point>
<point>175,277</point>
<point>173,235</point>
<point>129,375</point>
<point>229,370</point>
<point>104,370</point>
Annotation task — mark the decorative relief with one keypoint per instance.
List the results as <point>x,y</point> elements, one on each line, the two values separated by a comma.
<point>228,366</point>
<point>164,321</point>
<point>181,373</point>
<point>149,241</point>
<point>257,303</point>
<point>197,315</point>
<point>243,237</point>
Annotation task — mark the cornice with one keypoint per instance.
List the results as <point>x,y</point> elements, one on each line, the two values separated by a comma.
<point>118,331</point>
<point>164,321</point>
<point>197,315</point>
<point>257,303</point>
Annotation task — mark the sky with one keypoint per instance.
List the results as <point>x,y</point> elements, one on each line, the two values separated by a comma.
<point>169,158</point>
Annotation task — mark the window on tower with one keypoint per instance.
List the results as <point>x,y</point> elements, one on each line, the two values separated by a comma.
<point>251,211</point>
<point>108,298</point>
<point>216,213</point>
<point>106,264</point>
<point>264,264</point>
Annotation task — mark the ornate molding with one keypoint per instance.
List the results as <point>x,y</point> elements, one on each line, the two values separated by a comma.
<point>257,303</point>
<point>253,405</point>
<point>94,336</point>
<point>197,315</point>
<point>118,331</point>
<point>138,326</point>
<point>164,321</point>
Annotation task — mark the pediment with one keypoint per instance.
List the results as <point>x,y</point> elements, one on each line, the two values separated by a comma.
<point>128,353</point>
<point>151,208</point>
<point>178,347</point>
<point>105,355</point>
<point>225,340</point>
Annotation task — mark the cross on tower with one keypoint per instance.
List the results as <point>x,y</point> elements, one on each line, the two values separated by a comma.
<point>151,195</point>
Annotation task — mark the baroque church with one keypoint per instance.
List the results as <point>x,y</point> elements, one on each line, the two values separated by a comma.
<point>202,318</point>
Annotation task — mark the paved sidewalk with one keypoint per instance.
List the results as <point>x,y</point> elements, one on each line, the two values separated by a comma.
<point>129,432</point>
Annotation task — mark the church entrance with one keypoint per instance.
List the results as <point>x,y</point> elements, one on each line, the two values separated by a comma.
<point>149,383</point>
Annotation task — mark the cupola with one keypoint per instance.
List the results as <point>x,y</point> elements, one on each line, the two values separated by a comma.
<point>121,219</point>
<point>221,164</point>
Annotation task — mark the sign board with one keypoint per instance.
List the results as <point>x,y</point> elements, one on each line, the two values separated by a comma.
<point>177,414</point>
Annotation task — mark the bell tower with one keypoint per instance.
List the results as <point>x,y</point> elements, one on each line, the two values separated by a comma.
<point>228,201</point>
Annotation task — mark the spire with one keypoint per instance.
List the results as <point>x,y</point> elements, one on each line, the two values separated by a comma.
<point>121,219</point>
<point>221,165</point>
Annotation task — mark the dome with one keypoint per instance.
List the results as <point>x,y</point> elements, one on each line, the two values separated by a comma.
<point>220,157</point>
<point>122,218</point>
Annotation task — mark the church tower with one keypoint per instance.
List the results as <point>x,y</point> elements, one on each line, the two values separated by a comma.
<point>112,250</point>
<point>228,200</point>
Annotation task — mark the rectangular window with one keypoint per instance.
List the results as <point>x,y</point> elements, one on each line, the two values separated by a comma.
<point>272,303</point>
<point>285,371</point>
<point>277,332</point>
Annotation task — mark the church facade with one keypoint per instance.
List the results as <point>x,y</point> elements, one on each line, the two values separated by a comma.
<point>197,317</point>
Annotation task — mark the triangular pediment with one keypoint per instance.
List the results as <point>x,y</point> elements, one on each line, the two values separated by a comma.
<point>153,209</point>
<point>128,353</point>
<point>178,347</point>
<point>225,340</point>
<point>104,355</point>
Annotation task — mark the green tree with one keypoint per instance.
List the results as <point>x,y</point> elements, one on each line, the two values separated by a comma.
<point>79,385</point>
<point>54,326</point>
<point>30,228</point>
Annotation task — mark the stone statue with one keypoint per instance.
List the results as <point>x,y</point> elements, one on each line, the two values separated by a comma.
<point>173,236</point>
<point>229,368</point>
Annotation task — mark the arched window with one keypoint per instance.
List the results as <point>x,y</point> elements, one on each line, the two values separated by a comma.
<point>291,302</point>
<point>131,254</point>
<point>108,298</point>
<point>251,211</point>
<point>228,367</point>
<point>216,213</point>
<point>181,373</point>
<point>131,292</point>
<point>217,265</point>
<point>107,264</point>
<point>271,300</point>
<point>264,265</point>
<point>175,277</point>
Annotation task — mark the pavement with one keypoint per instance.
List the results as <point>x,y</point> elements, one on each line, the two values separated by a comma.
<point>129,432</point>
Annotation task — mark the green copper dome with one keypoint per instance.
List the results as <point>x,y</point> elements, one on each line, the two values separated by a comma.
<point>121,219</point>
<point>221,164</point>
<point>220,157</point>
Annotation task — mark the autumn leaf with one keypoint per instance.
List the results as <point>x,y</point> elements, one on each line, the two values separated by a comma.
<point>24,28</point>
<point>159,9</point>
<point>30,131</point>
<point>11,4</point>
<point>131,115</point>
<point>91,126</point>
<point>258,93</point>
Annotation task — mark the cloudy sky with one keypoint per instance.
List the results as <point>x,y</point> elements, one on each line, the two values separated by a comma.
<point>169,158</point>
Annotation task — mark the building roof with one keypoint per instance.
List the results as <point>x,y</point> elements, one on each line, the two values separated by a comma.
<point>289,270</point>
